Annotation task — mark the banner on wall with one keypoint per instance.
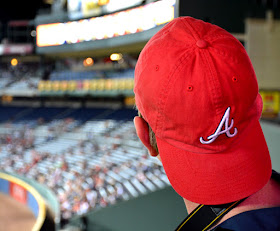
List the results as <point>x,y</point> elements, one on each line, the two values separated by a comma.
<point>19,49</point>
<point>271,103</point>
<point>18,192</point>
<point>10,49</point>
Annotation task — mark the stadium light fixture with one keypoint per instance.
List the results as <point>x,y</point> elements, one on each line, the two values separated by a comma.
<point>88,62</point>
<point>116,56</point>
<point>14,62</point>
<point>33,33</point>
<point>103,2</point>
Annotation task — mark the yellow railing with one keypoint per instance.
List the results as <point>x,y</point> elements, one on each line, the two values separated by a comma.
<point>41,203</point>
<point>87,85</point>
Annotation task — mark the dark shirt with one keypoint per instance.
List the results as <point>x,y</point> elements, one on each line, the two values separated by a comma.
<point>267,219</point>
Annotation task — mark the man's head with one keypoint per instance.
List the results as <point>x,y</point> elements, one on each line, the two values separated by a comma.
<point>196,89</point>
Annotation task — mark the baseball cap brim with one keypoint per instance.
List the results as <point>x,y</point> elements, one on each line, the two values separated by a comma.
<point>219,178</point>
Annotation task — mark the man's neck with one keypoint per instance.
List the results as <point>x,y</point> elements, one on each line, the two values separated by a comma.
<point>267,197</point>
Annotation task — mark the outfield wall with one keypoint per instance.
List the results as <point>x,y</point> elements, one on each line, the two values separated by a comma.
<point>29,196</point>
<point>162,210</point>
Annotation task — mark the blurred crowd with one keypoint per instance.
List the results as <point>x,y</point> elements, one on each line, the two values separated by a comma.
<point>21,73</point>
<point>79,184</point>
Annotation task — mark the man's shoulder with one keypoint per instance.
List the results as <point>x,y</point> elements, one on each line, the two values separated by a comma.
<point>251,220</point>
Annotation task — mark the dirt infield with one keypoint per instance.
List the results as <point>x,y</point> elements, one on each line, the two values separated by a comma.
<point>15,216</point>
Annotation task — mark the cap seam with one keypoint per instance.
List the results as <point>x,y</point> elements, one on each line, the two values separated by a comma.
<point>195,34</point>
<point>217,37</point>
<point>225,55</point>
<point>215,89</point>
<point>165,89</point>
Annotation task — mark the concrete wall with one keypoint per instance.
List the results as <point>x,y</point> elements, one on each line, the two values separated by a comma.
<point>263,47</point>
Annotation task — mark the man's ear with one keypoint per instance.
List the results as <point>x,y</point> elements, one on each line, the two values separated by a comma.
<point>142,131</point>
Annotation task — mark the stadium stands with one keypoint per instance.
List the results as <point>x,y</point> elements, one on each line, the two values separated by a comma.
<point>90,157</point>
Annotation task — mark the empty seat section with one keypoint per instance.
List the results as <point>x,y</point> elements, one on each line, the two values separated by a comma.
<point>42,112</point>
<point>10,113</point>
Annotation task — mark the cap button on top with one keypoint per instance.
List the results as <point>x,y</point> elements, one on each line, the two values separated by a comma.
<point>201,43</point>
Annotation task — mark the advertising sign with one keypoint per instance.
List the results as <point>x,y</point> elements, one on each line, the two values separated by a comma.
<point>271,103</point>
<point>18,192</point>
<point>113,25</point>
<point>78,9</point>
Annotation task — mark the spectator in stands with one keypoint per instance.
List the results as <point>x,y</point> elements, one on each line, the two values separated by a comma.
<point>91,196</point>
<point>84,206</point>
<point>197,94</point>
<point>69,173</point>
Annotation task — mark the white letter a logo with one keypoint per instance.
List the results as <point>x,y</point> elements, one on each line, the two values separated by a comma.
<point>219,131</point>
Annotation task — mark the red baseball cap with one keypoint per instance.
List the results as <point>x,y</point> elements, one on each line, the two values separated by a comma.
<point>197,89</point>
